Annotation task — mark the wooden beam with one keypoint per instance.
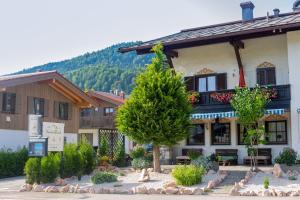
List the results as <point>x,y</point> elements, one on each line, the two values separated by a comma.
<point>63,92</point>
<point>68,92</point>
<point>237,45</point>
<point>171,53</point>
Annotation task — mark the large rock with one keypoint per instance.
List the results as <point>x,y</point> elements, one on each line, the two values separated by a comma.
<point>186,191</point>
<point>198,191</point>
<point>277,171</point>
<point>169,184</point>
<point>64,189</point>
<point>37,188</point>
<point>141,190</point>
<point>171,190</point>
<point>144,176</point>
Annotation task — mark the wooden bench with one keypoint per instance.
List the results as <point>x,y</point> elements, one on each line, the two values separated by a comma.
<point>264,157</point>
<point>227,156</point>
<point>184,158</point>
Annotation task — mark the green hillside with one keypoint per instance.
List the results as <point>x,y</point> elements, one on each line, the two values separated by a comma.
<point>101,70</point>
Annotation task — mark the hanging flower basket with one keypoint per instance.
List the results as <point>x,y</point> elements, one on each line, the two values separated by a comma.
<point>193,97</point>
<point>224,97</point>
<point>271,93</point>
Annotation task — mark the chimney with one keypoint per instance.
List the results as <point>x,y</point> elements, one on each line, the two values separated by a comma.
<point>296,6</point>
<point>247,10</point>
<point>276,12</point>
<point>122,94</point>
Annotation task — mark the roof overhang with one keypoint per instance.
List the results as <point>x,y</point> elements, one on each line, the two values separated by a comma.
<point>221,38</point>
<point>55,81</point>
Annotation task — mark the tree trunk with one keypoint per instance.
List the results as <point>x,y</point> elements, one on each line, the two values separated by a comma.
<point>156,159</point>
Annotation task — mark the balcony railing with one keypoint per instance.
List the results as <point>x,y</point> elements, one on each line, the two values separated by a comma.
<point>207,103</point>
<point>97,122</point>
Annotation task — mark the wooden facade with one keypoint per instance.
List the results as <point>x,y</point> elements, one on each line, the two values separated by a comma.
<point>19,120</point>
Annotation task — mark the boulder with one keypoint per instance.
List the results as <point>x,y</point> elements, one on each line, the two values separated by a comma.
<point>144,176</point>
<point>171,190</point>
<point>277,171</point>
<point>141,190</point>
<point>26,188</point>
<point>169,184</point>
<point>60,182</point>
<point>198,191</point>
<point>64,189</point>
<point>295,194</point>
<point>281,194</point>
<point>186,191</point>
<point>266,193</point>
<point>37,188</point>
<point>151,191</point>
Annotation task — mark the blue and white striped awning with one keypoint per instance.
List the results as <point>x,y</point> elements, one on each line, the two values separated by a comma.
<point>232,114</point>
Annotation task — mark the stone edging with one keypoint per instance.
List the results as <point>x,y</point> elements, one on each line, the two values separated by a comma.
<point>169,188</point>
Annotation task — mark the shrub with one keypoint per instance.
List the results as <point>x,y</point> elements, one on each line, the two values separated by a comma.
<point>104,177</point>
<point>188,175</point>
<point>104,147</point>
<point>50,166</point>
<point>72,161</point>
<point>88,156</point>
<point>12,163</point>
<point>32,170</point>
<point>193,154</point>
<point>140,163</point>
<point>137,152</point>
<point>288,156</point>
<point>266,183</point>
<point>120,155</point>
<point>205,162</point>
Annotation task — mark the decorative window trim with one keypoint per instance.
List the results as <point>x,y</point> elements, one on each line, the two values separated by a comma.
<point>266,65</point>
<point>205,71</point>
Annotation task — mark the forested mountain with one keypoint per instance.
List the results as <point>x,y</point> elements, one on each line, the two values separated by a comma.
<point>101,70</point>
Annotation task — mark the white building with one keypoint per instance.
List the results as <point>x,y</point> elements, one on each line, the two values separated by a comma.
<point>211,58</point>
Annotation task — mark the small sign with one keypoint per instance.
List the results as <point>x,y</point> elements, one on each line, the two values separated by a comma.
<point>35,125</point>
<point>38,147</point>
<point>55,134</point>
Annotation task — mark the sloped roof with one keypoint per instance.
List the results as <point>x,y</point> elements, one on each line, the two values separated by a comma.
<point>54,80</point>
<point>258,27</point>
<point>109,97</point>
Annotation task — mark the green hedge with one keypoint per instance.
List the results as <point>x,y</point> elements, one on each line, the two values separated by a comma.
<point>73,161</point>
<point>12,163</point>
<point>188,175</point>
<point>88,156</point>
<point>50,167</point>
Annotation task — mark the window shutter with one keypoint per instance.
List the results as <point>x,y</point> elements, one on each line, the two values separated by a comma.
<point>30,105</point>
<point>56,109</point>
<point>70,111</point>
<point>1,101</point>
<point>271,76</point>
<point>261,79</point>
<point>18,104</point>
<point>13,103</point>
<point>221,81</point>
<point>46,107</point>
<point>190,83</point>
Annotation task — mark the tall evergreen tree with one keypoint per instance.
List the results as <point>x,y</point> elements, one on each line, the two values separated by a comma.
<point>157,111</point>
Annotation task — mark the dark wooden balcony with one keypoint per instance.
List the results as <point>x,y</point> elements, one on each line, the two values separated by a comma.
<point>97,120</point>
<point>208,104</point>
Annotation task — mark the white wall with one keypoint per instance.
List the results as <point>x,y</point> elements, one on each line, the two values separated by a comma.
<point>293,41</point>
<point>13,139</point>
<point>221,58</point>
<point>208,149</point>
<point>71,138</point>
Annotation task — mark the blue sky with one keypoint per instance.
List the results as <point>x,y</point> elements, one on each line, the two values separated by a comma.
<point>35,32</point>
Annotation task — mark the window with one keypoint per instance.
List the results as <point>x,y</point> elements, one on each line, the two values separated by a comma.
<point>87,112</point>
<point>108,111</point>
<point>196,136</point>
<point>38,106</point>
<point>211,83</point>
<point>276,132</point>
<point>9,103</point>
<point>220,134</point>
<point>63,111</point>
<point>88,137</point>
<point>241,130</point>
<point>266,76</point>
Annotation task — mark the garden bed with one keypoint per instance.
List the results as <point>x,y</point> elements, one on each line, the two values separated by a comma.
<point>159,183</point>
<point>279,185</point>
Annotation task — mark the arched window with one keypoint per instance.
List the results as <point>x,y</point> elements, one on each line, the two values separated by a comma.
<point>266,74</point>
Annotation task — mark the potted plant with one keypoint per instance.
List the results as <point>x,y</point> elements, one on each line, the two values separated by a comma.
<point>193,97</point>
